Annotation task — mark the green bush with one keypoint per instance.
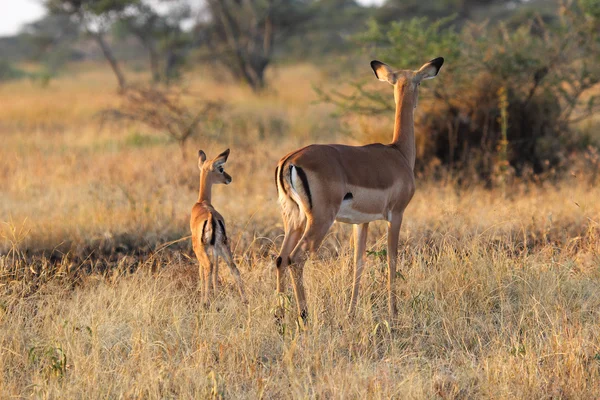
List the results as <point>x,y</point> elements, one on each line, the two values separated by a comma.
<point>8,72</point>
<point>544,68</point>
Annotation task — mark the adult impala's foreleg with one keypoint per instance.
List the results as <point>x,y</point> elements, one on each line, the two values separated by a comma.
<point>360,244</point>
<point>392,256</point>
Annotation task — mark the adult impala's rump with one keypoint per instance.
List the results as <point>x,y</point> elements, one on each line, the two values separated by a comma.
<point>320,184</point>
<point>209,237</point>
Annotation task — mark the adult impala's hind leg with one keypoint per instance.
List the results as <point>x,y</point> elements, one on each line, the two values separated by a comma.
<point>392,256</point>
<point>290,240</point>
<point>316,229</point>
<point>360,244</point>
<point>226,254</point>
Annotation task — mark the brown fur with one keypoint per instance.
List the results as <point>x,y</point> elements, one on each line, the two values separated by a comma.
<point>379,177</point>
<point>208,227</point>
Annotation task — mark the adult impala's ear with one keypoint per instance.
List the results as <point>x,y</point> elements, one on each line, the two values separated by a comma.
<point>384,72</point>
<point>201,158</point>
<point>430,70</point>
<point>222,158</point>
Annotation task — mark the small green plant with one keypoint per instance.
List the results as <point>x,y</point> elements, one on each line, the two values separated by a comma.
<point>51,360</point>
<point>381,254</point>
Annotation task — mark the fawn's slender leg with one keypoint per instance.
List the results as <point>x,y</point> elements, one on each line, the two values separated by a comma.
<point>204,273</point>
<point>226,254</point>
<point>215,271</point>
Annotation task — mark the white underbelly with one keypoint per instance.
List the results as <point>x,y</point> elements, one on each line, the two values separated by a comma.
<point>351,216</point>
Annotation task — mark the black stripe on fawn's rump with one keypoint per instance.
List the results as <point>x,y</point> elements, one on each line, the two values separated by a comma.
<point>304,180</point>
<point>213,238</point>
<point>203,230</point>
<point>348,196</point>
<point>223,227</point>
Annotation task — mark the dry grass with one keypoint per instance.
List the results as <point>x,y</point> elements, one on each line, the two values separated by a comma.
<point>500,296</point>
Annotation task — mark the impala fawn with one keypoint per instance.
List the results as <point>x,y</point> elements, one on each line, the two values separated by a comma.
<point>209,237</point>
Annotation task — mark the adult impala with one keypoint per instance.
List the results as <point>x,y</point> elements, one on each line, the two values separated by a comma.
<point>320,184</point>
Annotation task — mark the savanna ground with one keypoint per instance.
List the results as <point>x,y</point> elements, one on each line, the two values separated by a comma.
<point>499,289</point>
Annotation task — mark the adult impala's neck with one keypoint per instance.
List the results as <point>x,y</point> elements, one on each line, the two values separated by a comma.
<point>205,193</point>
<point>404,127</point>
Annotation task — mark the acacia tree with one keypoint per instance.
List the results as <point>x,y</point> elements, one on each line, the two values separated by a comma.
<point>161,36</point>
<point>96,17</point>
<point>243,33</point>
<point>50,39</point>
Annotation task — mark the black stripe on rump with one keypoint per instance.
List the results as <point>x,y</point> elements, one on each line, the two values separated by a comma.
<point>203,230</point>
<point>281,179</point>
<point>213,238</point>
<point>224,233</point>
<point>282,164</point>
<point>304,180</point>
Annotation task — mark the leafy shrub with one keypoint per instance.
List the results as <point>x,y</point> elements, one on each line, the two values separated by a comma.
<point>8,72</point>
<point>544,68</point>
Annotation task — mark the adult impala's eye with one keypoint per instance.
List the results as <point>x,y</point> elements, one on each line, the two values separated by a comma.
<point>221,169</point>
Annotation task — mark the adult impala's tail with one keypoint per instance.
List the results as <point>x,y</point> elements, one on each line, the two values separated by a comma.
<point>294,192</point>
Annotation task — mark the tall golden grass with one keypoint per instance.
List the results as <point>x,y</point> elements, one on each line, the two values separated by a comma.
<point>500,292</point>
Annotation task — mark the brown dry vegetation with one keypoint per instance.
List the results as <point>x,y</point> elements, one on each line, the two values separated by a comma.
<point>500,296</point>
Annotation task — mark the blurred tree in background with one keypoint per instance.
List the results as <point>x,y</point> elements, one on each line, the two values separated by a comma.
<point>51,41</point>
<point>161,35</point>
<point>242,34</point>
<point>96,17</point>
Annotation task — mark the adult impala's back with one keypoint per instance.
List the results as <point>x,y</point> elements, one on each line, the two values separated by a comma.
<point>320,184</point>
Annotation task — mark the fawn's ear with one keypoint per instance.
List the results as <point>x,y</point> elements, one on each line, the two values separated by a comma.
<point>384,72</point>
<point>201,158</point>
<point>221,158</point>
<point>430,70</point>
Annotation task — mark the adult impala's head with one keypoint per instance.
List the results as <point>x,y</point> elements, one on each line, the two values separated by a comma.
<point>406,82</point>
<point>212,170</point>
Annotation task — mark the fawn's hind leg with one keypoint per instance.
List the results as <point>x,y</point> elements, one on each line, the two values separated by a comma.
<point>204,272</point>
<point>226,254</point>
<point>215,271</point>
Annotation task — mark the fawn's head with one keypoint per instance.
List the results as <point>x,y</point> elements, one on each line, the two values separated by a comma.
<point>406,82</point>
<point>212,170</point>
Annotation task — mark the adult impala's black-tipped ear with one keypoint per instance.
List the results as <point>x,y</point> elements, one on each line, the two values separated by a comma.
<point>430,69</point>
<point>383,72</point>
<point>222,158</point>
<point>201,158</point>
